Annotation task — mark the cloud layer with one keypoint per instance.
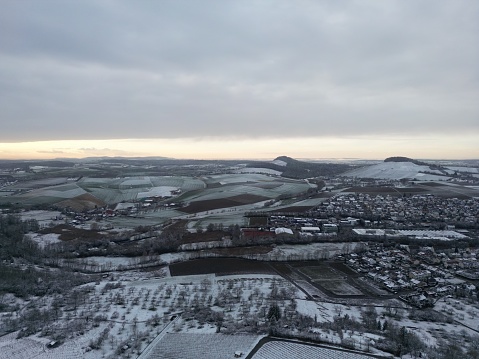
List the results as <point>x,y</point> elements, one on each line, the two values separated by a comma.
<point>237,69</point>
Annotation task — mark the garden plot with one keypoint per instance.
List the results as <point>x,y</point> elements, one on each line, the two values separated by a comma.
<point>277,349</point>
<point>211,346</point>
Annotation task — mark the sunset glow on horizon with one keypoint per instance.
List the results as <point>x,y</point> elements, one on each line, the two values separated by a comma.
<point>267,148</point>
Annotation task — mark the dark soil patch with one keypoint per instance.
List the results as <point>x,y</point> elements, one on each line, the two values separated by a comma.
<point>267,185</point>
<point>294,209</point>
<point>69,233</point>
<point>412,190</point>
<point>177,225</point>
<point>239,251</point>
<point>282,268</point>
<point>431,184</point>
<point>258,221</point>
<point>220,266</point>
<point>374,190</point>
<point>210,204</point>
<point>248,198</point>
<point>202,237</point>
<point>343,268</point>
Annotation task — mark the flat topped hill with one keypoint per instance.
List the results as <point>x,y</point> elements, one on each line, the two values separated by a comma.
<point>292,168</point>
<point>397,168</point>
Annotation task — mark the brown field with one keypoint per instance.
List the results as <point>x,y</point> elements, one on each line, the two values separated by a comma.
<point>294,209</point>
<point>440,190</point>
<point>202,237</point>
<point>317,273</point>
<point>381,190</point>
<point>220,266</point>
<point>340,287</point>
<point>266,185</point>
<point>239,251</point>
<point>434,188</point>
<point>432,184</point>
<point>84,201</point>
<point>210,204</point>
<point>258,221</point>
<point>343,268</point>
<point>69,233</point>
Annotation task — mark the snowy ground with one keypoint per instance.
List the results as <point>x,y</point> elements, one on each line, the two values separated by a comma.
<point>129,310</point>
<point>259,170</point>
<point>44,218</point>
<point>397,170</point>
<point>44,239</point>
<point>211,346</point>
<point>277,349</point>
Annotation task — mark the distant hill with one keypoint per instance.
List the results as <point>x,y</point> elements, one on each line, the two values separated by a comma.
<point>25,165</point>
<point>407,159</point>
<point>291,168</point>
<point>397,168</point>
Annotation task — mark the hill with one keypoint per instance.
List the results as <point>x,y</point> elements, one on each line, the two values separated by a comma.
<point>397,168</point>
<point>291,168</point>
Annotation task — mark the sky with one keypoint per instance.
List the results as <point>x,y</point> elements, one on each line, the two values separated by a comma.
<point>239,79</point>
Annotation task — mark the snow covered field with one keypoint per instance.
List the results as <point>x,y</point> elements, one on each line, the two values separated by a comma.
<point>277,349</point>
<point>259,170</point>
<point>210,346</point>
<point>397,170</point>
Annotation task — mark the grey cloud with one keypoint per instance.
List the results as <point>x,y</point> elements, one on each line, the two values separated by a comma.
<point>93,69</point>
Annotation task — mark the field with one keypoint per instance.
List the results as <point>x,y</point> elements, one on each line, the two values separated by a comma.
<point>119,316</point>
<point>150,218</point>
<point>220,266</point>
<point>320,273</point>
<point>208,205</point>
<point>277,349</point>
<point>211,346</point>
<point>115,190</point>
<point>434,188</point>
<point>329,279</point>
<point>339,287</point>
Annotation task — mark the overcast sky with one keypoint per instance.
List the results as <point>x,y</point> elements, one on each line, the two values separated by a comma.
<point>234,71</point>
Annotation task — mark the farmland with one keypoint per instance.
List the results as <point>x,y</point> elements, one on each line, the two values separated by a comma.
<point>220,266</point>
<point>167,271</point>
<point>198,194</point>
<point>276,349</point>
<point>211,346</point>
